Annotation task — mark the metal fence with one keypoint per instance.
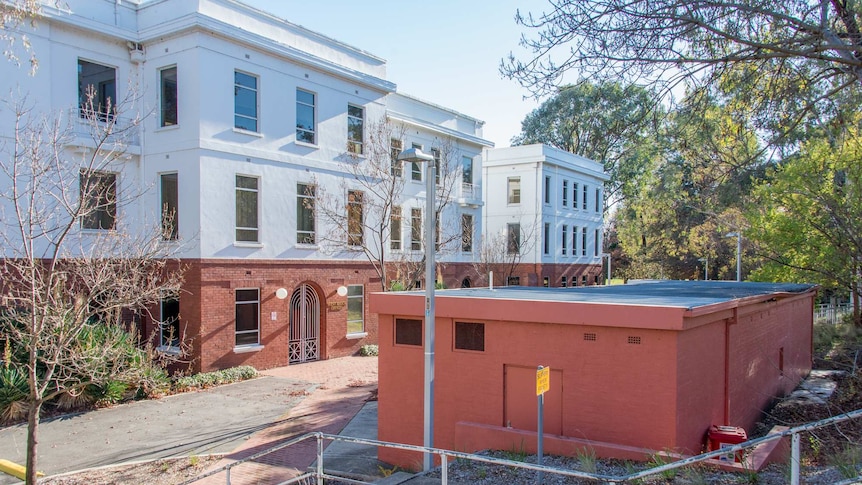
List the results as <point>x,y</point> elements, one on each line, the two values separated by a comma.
<point>831,312</point>
<point>242,471</point>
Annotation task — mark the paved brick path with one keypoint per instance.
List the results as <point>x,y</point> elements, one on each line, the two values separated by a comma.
<point>343,386</point>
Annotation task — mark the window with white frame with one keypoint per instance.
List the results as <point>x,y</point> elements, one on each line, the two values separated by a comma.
<point>466,233</point>
<point>306,116</point>
<point>355,309</point>
<point>435,152</point>
<point>546,239</point>
<point>598,200</point>
<point>305,223</point>
<point>98,200</point>
<point>355,226</point>
<point>598,239</point>
<point>416,167</point>
<point>513,190</point>
<point>564,282</point>
<point>565,243</point>
<point>466,170</point>
<point>245,101</point>
<point>547,189</point>
<point>583,241</point>
<point>395,148</point>
<point>416,229</point>
<point>247,302</point>
<point>513,238</point>
<point>246,208</point>
<point>168,96</point>
<point>170,202</point>
<point>585,197</point>
<point>395,228</point>
<point>97,91</point>
<point>565,193</point>
<point>169,323</point>
<point>355,129</point>
<point>575,241</point>
<point>574,195</point>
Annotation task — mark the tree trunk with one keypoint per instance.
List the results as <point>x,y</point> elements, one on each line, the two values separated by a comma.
<point>32,439</point>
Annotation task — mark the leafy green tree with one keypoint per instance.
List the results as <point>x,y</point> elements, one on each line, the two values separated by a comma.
<point>606,122</point>
<point>807,219</point>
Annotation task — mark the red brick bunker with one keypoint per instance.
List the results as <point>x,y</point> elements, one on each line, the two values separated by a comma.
<point>635,368</point>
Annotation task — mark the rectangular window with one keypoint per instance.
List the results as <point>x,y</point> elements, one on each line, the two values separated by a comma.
<point>513,281</point>
<point>395,148</point>
<point>565,193</point>
<point>355,309</point>
<point>574,195</point>
<point>547,190</point>
<point>305,199</point>
<point>416,167</point>
<point>169,323</point>
<point>168,96</point>
<point>514,190</point>
<point>395,228</point>
<point>513,238</point>
<point>355,226</point>
<point>467,170</point>
<point>575,241</point>
<point>244,101</point>
<point>408,332</point>
<point>306,125</point>
<point>584,199</point>
<point>564,282</point>
<point>98,199</point>
<point>583,241</point>
<point>416,229</point>
<point>246,209</point>
<point>565,242</point>
<point>584,280</point>
<point>470,336</point>
<point>97,91</point>
<point>355,129</point>
<point>437,167</point>
<point>547,239</point>
<point>598,200</point>
<point>598,243</point>
<point>247,316</point>
<point>466,233</point>
<point>546,282</point>
<point>170,212</point>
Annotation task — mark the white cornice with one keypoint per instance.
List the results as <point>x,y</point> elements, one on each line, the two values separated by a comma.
<point>409,120</point>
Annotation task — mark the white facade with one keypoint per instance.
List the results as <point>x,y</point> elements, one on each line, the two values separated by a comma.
<point>551,200</point>
<point>204,46</point>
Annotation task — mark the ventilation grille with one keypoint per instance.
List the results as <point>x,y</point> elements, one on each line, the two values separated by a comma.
<point>634,340</point>
<point>590,337</point>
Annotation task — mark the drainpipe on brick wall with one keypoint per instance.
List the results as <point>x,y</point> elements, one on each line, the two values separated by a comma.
<point>727,323</point>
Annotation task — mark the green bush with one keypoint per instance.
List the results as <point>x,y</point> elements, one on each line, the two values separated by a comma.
<point>215,378</point>
<point>13,395</point>
<point>369,350</point>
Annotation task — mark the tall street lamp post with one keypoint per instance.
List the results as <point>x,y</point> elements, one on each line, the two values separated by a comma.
<point>705,262</point>
<point>738,237</point>
<point>415,155</point>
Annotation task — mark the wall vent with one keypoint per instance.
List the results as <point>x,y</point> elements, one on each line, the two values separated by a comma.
<point>590,337</point>
<point>634,340</point>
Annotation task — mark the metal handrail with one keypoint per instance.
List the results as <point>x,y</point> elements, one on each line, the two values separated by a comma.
<point>319,473</point>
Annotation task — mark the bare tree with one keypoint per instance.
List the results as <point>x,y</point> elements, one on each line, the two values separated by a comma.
<point>70,261</point>
<point>14,14</point>
<point>360,215</point>
<point>502,252</point>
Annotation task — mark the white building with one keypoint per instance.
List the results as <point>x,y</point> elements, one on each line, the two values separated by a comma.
<point>545,206</point>
<point>249,127</point>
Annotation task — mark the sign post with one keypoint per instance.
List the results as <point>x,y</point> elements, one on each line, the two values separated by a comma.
<point>543,383</point>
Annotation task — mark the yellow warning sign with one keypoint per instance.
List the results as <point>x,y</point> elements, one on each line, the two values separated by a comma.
<point>543,380</point>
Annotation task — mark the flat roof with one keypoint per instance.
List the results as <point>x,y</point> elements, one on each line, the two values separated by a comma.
<point>663,293</point>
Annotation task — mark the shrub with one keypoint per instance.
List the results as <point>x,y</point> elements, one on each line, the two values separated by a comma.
<point>13,395</point>
<point>369,350</point>
<point>215,378</point>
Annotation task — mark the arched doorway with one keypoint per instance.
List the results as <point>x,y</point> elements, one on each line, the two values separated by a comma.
<point>465,283</point>
<point>304,344</point>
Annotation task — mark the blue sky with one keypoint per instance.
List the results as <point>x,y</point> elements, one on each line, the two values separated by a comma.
<point>447,52</point>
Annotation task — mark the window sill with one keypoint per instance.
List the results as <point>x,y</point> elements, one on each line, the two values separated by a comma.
<point>242,349</point>
<point>247,132</point>
<point>168,128</point>
<point>241,244</point>
<point>169,350</point>
<point>307,246</point>
<point>356,336</point>
<point>306,144</point>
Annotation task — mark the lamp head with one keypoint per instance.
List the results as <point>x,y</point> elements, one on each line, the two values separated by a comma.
<point>414,155</point>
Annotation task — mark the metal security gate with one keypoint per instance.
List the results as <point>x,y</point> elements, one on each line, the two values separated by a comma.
<point>304,345</point>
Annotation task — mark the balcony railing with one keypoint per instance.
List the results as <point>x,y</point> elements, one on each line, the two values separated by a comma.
<point>90,127</point>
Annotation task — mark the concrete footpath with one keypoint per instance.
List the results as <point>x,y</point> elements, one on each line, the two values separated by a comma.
<point>238,419</point>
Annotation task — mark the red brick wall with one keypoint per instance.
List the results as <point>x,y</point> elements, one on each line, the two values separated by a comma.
<point>207,309</point>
